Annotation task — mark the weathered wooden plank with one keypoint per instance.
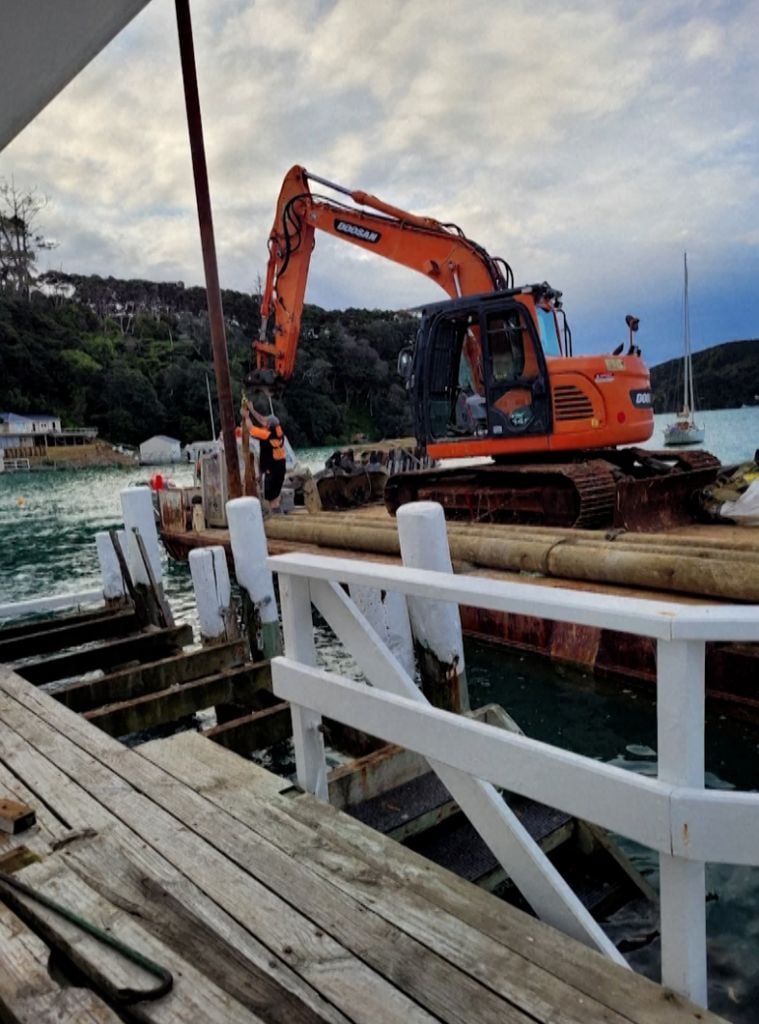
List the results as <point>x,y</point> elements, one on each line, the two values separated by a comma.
<point>511,975</point>
<point>47,827</point>
<point>175,912</point>
<point>340,976</point>
<point>147,646</point>
<point>28,995</point>
<point>148,678</point>
<point>15,816</point>
<point>233,685</point>
<point>56,637</point>
<point>218,774</point>
<point>254,731</point>
<point>27,626</point>
<point>369,776</point>
<point>193,996</point>
<point>155,872</point>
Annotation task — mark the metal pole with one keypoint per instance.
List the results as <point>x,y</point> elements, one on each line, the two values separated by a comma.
<point>205,219</point>
<point>210,409</point>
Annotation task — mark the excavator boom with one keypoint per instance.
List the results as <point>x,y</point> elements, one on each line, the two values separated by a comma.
<point>439,251</point>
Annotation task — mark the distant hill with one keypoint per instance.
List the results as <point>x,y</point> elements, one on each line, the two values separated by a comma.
<point>725,376</point>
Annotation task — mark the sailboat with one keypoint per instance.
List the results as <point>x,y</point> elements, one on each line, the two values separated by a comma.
<point>685,430</point>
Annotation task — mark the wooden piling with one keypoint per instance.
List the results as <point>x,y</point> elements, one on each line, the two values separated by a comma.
<point>248,542</point>
<point>436,625</point>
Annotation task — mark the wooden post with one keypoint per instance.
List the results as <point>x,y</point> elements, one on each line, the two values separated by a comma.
<point>386,611</point>
<point>682,882</point>
<point>213,594</point>
<point>248,541</point>
<point>144,565</point>
<point>113,583</point>
<point>436,625</point>
<point>250,487</point>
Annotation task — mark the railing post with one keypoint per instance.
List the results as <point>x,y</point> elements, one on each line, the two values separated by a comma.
<point>680,715</point>
<point>308,740</point>
<point>436,624</point>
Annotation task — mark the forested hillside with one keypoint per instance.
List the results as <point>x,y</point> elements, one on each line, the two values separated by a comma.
<point>132,358</point>
<point>725,377</point>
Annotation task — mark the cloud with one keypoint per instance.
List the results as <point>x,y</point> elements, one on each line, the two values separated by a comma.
<point>588,143</point>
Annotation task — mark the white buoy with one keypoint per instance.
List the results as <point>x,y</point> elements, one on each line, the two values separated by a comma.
<point>249,550</point>
<point>387,613</point>
<point>436,625</point>
<point>213,594</point>
<point>113,582</point>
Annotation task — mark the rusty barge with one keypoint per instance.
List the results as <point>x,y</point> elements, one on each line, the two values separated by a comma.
<point>697,562</point>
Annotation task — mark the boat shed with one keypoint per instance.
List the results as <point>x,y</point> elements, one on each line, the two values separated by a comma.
<point>159,450</point>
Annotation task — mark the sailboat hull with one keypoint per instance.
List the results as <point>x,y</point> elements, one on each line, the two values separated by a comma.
<point>685,433</point>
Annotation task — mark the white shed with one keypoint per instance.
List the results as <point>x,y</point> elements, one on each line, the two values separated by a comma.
<point>160,450</point>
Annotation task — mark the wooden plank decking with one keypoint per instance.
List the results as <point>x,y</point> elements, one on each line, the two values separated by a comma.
<point>265,904</point>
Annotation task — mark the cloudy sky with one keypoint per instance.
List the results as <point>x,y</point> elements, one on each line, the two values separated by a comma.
<point>589,143</point>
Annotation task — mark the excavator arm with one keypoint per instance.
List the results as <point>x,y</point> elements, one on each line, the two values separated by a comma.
<point>439,251</point>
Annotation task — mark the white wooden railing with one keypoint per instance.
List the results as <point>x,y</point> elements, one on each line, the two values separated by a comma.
<point>672,814</point>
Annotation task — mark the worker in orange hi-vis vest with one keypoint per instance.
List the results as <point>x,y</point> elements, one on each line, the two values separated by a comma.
<point>272,459</point>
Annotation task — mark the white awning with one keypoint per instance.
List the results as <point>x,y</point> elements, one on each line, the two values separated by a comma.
<point>44,44</point>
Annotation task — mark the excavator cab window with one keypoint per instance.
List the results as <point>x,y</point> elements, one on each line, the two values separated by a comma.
<point>484,375</point>
<point>549,330</point>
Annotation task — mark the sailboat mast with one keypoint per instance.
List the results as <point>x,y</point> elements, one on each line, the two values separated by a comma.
<point>688,372</point>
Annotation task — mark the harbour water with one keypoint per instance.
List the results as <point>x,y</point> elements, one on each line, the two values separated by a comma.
<point>47,527</point>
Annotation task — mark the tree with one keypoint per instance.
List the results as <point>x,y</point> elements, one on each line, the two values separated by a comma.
<point>19,240</point>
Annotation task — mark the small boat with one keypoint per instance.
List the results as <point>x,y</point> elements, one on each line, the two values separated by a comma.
<point>685,430</point>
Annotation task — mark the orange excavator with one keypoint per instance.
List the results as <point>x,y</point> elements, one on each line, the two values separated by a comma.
<point>492,373</point>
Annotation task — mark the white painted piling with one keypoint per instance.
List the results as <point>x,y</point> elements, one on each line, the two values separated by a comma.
<point>436,625</point>
<point>387,613</point>
<point>213,594</point>
<point>249,550</point>
<point>137,508</point>
<point>113,581</point>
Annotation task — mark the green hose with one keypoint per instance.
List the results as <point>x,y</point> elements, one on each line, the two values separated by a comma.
<point>124,996</point>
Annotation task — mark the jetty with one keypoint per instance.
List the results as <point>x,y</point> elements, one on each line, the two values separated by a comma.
<point>264,901</point>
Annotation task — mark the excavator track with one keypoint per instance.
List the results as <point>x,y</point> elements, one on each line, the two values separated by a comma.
<point>629,488</point>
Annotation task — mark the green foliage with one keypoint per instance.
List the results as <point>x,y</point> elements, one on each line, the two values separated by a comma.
<point>725,377</point>
<point>80,363</point>
<point>133,357</point>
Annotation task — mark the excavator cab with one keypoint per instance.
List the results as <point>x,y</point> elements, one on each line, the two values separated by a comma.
<point>479,372</point>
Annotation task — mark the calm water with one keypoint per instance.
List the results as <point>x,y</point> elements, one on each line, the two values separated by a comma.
<point>47,527</point>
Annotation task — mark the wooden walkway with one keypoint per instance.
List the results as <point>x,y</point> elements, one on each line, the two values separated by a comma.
<point>265,904</point>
